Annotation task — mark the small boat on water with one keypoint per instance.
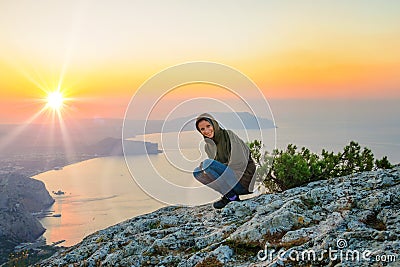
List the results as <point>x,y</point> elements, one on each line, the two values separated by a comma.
<point>58,193</point>
<point>58,242</point>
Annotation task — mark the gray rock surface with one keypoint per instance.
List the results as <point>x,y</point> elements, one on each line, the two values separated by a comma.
<point>19,197</point>
<point>347,221</point>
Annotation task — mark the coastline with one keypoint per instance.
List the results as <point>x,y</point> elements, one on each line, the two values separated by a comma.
<point>99,192</point>
<point>40,161</point>
<point>284,137</point>
<point>300,219</point>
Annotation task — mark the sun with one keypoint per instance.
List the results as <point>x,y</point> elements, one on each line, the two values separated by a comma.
<point>55,100</point>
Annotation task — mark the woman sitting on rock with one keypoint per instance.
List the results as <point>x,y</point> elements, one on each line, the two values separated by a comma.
<point>229,168</point>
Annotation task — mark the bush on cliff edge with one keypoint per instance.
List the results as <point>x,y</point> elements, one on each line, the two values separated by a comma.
<point>284,169</point>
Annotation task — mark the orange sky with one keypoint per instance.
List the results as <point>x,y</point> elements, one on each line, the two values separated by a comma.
<point>100,52</point>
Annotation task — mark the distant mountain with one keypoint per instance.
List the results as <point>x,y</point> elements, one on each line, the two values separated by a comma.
<point>228,120</point>
<point>82,135</point>
<point>113,147</point>
<point>35,148</point>
<point>98,136</point>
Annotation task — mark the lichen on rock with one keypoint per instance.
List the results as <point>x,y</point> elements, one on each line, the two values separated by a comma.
<point>350,214</point>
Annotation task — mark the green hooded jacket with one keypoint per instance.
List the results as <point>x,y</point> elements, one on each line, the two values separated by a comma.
<point>227,148</point>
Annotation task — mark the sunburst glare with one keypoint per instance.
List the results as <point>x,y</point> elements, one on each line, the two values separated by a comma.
<point>55,100</point>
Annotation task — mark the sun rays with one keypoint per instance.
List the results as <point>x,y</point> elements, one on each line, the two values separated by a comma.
<point>55,100</point>
<point>48,122</point>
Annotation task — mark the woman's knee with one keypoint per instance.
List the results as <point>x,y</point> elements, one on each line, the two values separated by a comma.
<point>207,163</point>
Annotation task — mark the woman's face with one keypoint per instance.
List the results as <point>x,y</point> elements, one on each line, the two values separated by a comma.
<point>206,129</point>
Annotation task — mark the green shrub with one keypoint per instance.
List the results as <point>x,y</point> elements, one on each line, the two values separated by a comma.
<point>383,163</point>
<point>284,169</point>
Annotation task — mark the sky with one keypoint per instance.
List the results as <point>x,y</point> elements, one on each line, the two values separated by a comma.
<point>98,53</point>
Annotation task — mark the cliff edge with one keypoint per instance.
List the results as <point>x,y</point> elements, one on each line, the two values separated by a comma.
<point>347,221</point>
<point>20,196</point>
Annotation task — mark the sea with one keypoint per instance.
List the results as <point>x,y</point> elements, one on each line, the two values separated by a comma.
<point>102,192</point>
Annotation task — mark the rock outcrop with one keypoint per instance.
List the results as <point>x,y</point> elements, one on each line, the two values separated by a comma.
<point>19,197</point>
<point>347,221</point>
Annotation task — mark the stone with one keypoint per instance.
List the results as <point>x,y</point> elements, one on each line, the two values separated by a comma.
<point>352,213</point>
<point>20,196</point>
<point>223,253</point>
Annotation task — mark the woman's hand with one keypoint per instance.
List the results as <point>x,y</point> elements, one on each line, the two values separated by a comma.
<point>202,169</point>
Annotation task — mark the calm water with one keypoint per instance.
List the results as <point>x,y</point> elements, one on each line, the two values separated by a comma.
<point>100,192</point>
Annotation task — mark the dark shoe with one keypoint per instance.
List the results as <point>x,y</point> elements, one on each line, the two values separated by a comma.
<point>223,202</point>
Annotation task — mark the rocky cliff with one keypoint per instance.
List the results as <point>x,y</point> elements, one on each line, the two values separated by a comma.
<point>19,197</point>
<point>348,221</point>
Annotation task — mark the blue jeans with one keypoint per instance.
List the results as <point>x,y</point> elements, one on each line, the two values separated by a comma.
<point>219,177</point>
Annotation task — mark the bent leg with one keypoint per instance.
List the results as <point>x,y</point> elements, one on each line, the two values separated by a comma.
<point>225,179</point>
<point>240,190</point>
<point>200,176</point>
